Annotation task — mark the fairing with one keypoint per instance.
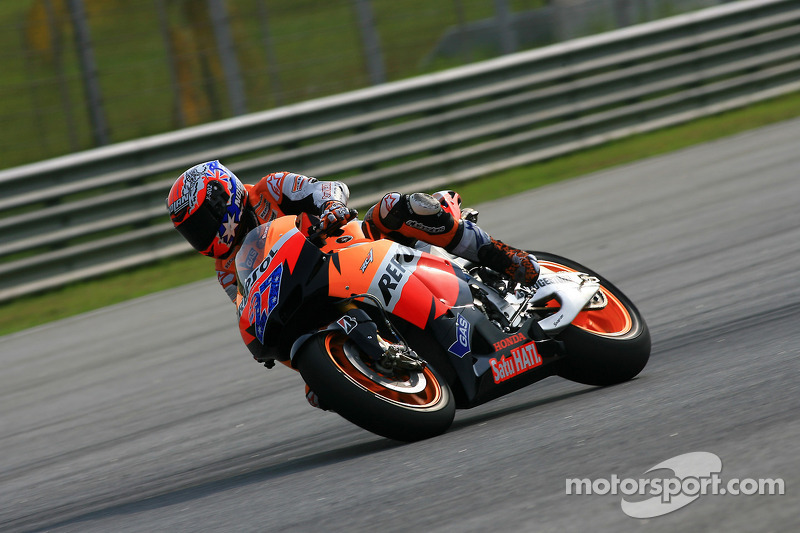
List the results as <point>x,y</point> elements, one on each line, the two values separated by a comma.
<point>412,285</point>
<point>278,276</point>
<point>280,272</point>
<point>292,289</point>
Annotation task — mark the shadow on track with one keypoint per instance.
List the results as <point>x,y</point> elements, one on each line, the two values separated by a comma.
<point>462,423</point>
<point>183,487</point>
<point>159,497</point>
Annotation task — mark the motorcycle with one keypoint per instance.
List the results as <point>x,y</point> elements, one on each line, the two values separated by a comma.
<point>395,339</point>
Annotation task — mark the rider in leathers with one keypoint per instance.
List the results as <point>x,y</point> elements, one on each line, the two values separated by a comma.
<point>214,211</point>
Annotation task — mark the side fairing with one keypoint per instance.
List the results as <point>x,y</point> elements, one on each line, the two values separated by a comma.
<point>413,285</point>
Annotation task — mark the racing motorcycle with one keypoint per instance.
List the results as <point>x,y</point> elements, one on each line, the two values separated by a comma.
<point>395,339</point>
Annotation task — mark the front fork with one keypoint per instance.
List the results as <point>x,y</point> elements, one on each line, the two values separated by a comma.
<point>361,330</point>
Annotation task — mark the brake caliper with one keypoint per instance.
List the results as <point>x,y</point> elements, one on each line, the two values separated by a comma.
<point>387,356</point>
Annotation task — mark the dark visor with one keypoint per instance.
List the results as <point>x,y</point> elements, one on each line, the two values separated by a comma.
<point>200,228</point>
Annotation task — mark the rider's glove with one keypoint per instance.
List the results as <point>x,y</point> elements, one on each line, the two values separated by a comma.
<point>335,212</point>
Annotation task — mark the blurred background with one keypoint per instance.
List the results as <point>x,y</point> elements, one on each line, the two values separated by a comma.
<point>150,416</point>
<point>78,74</point>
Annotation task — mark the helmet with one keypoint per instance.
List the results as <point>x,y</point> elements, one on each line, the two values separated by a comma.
<point>206,205</point>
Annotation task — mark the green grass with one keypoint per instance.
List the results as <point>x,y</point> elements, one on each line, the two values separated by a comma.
<point>316,43</point>
<point>89,295</point>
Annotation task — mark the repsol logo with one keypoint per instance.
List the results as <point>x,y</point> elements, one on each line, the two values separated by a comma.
<point>255,274</point>
<point>393,274</point>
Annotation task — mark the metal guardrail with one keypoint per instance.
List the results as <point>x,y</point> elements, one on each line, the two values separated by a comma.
<point>102,210</point>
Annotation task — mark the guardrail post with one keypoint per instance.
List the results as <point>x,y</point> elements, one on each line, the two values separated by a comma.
<point>163,23</point>
<point>58,53</point>
<point>91,85</point>
<point>227,56</point>
<point>272,59</point>
<point>370,41</point>
<point>508,39</point>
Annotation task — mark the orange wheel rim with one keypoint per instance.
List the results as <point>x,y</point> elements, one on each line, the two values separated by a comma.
<point>614,320</point>
<point>418,389</point>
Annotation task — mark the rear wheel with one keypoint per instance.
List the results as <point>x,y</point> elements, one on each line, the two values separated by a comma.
<point>604,346</point>
<point>404,405</point>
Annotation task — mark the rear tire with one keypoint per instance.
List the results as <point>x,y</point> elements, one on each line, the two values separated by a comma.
<point>603,347</point>
<point>416,406</point>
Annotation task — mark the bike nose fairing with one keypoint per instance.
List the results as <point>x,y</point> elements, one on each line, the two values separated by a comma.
<point>276,268</point>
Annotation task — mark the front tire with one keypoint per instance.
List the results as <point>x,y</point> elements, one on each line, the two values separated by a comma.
<point>410,407</point>
<point>605,346</point>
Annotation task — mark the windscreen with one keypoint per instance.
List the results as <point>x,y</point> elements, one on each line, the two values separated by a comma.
<point>252,252</point>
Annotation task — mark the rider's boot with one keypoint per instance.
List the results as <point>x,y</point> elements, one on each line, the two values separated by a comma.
<point>474,244</point>
<point>517,264</point>
<point>409,217</point>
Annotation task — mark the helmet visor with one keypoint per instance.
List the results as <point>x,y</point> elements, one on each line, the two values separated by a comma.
<point>200,228</point>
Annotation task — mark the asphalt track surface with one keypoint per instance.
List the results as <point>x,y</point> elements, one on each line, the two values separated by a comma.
<point>151,416</point>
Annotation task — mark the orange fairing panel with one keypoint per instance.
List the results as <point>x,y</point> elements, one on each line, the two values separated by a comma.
<point>407,282</point>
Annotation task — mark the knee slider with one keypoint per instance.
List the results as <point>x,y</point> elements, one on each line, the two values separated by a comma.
<point>423,204</point>
<point>427,216</point>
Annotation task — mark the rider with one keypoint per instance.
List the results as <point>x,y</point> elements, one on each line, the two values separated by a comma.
<point>214,211</point>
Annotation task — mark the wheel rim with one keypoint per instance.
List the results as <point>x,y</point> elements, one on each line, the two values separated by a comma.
<point>418,390</point>
<point>614,320</point>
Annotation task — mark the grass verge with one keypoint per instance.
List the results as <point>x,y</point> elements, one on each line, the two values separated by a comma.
<point>85,296</point>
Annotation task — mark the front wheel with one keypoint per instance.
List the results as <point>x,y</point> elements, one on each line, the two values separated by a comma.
<point>603,346</point>
<point>407,405</point>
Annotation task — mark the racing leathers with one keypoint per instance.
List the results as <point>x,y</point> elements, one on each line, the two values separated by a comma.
<point>406,218</point>
<point>285,193</point>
